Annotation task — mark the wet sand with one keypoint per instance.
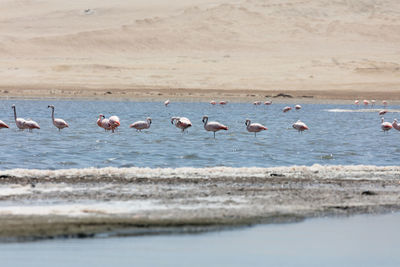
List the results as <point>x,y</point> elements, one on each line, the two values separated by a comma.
<point>82,203</point>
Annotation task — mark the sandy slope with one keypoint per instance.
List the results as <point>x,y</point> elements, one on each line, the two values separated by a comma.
<point>325,48</point>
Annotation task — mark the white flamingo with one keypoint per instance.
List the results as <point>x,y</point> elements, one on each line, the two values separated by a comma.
<point>396,125</point>
<point>20,122</point>
<point>59,123</point>
<point>254,127</point>
<point>213,126</point>
<point>166,103</point>
<point>300,126</point>
<point>181,122</point>
<point>140,125</point>
<point>385,126</point>
<point>297,107</point>
<point>30,125</point>
<point>114,122</point>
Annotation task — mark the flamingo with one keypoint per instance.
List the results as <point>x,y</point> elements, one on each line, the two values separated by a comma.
<point>356,102</point>
<point>30,124</point>
<point>366,102</point>
<point>181,122</point>
<point>256,103</point>
<point>140,125</point>
<point>268,103</point>
<point>300,126</point>
<point>20,122</point>
<point>104,123</point>
<point>286,109</point>
<point>297,107</point>
<point>166,103</point>
<point>212,102</point>
<point>373,102</point>
<point>396,125</point>
<point>386,126</point>
<point>3,124</point>
<point>114,122</point>
<point>254,127</point>
<point>223,102</point>
<point>213,126</point>
<point>384,102</point>
<point>59,123</point>
<point>382,112</point>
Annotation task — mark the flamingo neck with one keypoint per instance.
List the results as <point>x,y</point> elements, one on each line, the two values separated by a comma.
<point>15,114</point>
<point>52,114</point>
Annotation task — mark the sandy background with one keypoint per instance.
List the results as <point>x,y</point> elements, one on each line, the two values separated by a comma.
<point>342,49</point>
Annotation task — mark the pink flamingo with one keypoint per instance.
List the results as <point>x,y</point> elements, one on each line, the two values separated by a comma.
<point>267,103</point>
<point>286,109</point>
<point>373,102</point>
<point>384,102</point>
<point>256,103</point>
<point>382,112</point>
<point>356,102</point>
<point>297,107</point>
<point>223,102</point>
<point>396,125</point>
<point>20,122</point>
<point>366,102</point>
<point>254,127</point>
<point>140,125</point>
<point>3,124</point>
<point>166,103</point>
<point>59,123</point>
<point>30,125</point>
<point>386,126</point>
<point>213,126</point>
<point>212,102</point>
<point>181,122</point>
<point>114,122</point>
<point>300,126</point>
<point>104,123</point>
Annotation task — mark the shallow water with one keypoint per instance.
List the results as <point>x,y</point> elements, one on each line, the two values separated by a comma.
<point>334,137</point>
<point>354,241</point>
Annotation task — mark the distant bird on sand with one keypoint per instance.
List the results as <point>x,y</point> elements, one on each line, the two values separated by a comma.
<point>59,123</point>
<point>181,123</point>
<point>254,127</point>
<point>386,126</point>
<point>140,125</point>
<point>3,124</point>
<point>213,126</point>
<point>300,126</point>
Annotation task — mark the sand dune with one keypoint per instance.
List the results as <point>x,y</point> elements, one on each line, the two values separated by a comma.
<point>339,49</point>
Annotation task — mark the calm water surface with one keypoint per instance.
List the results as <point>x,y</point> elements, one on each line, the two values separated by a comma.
<point>333,138</point>
<point>355,241</point>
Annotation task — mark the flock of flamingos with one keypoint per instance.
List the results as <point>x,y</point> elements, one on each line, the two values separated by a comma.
<point>183,123</point>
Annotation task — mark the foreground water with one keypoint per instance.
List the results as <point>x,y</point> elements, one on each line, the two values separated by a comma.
<point>339,134</point>
<point>355,241</point>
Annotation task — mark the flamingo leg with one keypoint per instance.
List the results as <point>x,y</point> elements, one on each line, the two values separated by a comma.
<point>214,135</point>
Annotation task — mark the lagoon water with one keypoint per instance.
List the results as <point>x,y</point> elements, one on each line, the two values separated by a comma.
<point>362,240</point>
<point>338,135</point>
